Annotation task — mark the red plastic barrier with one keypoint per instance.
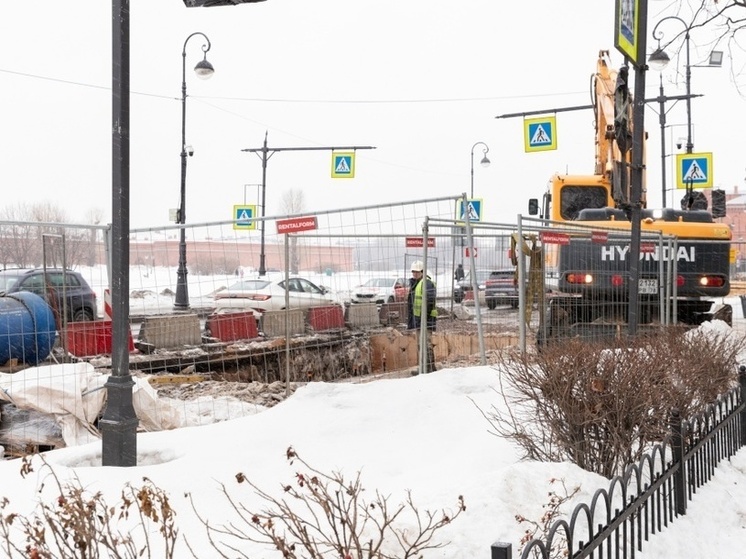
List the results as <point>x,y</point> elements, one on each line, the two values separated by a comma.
<point>90,338</point>
<point>326,318</point>
<point>232,326</point>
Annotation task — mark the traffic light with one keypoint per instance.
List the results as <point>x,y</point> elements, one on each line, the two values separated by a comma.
<point>718,203</point>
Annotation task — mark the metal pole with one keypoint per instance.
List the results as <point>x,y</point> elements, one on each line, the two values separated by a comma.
<point>262,263</point>
<point>485,162</point>
<point>689,145</point>
<point>119,422</point>
<point>662,121</point>
<point>181,301</point>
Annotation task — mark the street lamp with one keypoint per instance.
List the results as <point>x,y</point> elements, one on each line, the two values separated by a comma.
<point>485,162</point>
<point>658,60</point>
<point>204,70</point>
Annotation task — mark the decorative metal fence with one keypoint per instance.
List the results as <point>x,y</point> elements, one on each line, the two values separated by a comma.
<point>650,494</point>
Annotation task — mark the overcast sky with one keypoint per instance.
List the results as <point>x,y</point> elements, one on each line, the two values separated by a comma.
<point>420,80</point>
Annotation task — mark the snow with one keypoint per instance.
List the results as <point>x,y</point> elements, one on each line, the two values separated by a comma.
<point>425,434</point>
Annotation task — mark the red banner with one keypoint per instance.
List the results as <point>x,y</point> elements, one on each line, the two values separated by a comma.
<point>296,224</point>
<point>554,238</point>
<point>416,242</point>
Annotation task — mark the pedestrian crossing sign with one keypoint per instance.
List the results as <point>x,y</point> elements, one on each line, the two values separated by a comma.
<point>243,217</point>
<point>540,134</point>
<point>343,165</point>
<point>694,169</point>
<point>474,207</point>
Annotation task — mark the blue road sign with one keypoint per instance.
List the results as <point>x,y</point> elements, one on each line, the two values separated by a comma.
<point>694,169</point>
<point>243,217</point>
<point>474,208</point>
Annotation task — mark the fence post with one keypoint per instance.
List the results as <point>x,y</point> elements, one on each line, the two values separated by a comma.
<point>502,550</point>
<point>742,399</point>
<point>677,447</point>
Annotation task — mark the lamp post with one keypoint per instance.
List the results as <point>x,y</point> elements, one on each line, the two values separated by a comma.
<point>485,162</point>
<point>659,60</point>
<point>204,70</point>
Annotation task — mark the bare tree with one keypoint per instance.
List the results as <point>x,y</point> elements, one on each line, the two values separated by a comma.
<point>294,202</point>
<point>38,234</point>
<point>724,22</point>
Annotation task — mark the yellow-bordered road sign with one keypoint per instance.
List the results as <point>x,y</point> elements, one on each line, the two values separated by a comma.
<point>343,165</point>
<point>243,217</point>
<point>474,208</point>
<point>695,169</point>
<point>540,134</point>
<point>629,29</point>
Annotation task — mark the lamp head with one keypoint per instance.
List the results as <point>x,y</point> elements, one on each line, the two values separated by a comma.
<point>485,162</point>
<point>658,60</point>
<point>204,69</point>
<point>716,58</point>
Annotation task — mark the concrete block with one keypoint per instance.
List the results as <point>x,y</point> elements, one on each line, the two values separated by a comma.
<point>170,331</point>
<point>273,323</point>
<point>392,314</point>
<point>363,315</point>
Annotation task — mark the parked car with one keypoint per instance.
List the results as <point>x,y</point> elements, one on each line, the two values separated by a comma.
<point>261,295</point>
<point>501,288</point>
<point>79,297</point>
<point>463,286</point>
<point>381,290</point>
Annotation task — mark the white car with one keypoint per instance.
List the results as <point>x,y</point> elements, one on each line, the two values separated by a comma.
<point>261,295</point>
<point>381,290</point>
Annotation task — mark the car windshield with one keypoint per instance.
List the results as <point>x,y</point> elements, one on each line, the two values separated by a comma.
<point>7,282</point>
<point>482,275</point>
<point>379,282</point>
<point>249,285</point>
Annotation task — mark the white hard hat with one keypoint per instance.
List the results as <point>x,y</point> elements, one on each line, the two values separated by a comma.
<point>417,266</point>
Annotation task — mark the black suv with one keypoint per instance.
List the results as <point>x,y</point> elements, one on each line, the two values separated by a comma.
<point>81,299</point>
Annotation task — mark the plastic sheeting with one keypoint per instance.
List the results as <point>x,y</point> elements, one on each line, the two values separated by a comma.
<point>75,395</point>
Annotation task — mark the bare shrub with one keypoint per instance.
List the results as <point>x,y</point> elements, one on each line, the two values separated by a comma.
<point>539,529</point>
<point>600,405</point>
<point>81,525</point>
<point>324,515</point>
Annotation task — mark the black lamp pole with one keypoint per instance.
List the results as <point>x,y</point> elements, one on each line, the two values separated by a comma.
<point>485,162</point>
<point>119,422</point>
<point>659,58</point>
<point>204,70</point>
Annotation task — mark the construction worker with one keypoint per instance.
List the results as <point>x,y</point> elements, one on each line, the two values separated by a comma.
<point>414,307</point>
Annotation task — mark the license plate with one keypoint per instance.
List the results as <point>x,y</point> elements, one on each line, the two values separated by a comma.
<point>647,287</point>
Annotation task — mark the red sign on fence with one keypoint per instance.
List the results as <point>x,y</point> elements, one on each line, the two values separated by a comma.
<point>416,242</point>
<point>554,238</point>
<point>600,237</point>
<point>297,224</point>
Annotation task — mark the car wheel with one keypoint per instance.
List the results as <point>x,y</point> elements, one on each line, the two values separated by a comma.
<point>457,297</point>
<point>491,304</point>
<point>82,315</point>
<point>391,300</point>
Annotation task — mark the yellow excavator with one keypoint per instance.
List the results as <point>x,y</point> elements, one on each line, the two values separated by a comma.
<point>593,277</point>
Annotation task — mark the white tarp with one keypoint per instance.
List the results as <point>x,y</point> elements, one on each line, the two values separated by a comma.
<point>75,395</point>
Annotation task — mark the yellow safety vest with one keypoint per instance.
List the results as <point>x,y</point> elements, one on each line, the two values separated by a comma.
<point>417,306</point>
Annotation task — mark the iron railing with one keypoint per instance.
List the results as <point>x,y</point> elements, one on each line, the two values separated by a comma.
<point>653,492</point>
